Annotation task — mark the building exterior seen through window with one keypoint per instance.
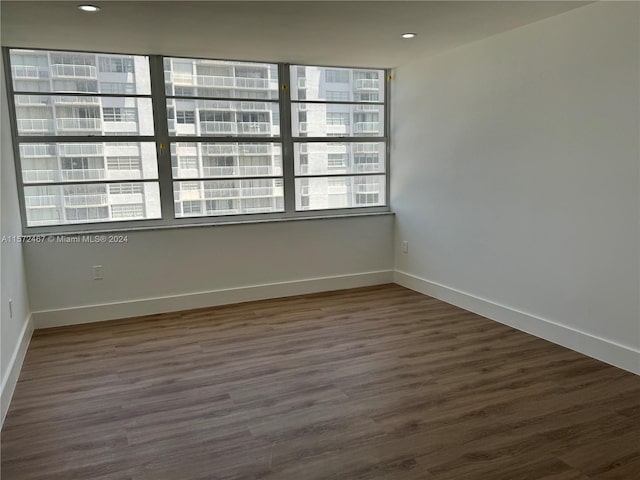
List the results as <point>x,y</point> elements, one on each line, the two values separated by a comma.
<point>94,130</point>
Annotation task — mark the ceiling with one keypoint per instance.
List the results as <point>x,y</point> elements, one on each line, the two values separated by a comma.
<point>351,33</point>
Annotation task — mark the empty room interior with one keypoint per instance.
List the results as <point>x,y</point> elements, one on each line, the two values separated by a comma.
<point>316,240</point>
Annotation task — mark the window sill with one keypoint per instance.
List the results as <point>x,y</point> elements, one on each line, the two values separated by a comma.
<point>107,230</point>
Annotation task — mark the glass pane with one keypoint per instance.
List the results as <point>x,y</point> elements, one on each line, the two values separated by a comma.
<point>322,158</point>
<point>337,120</point>
<point>83,116</point>
<point>228,197</point>
<point>72,72</point>
<point>223,118</point>
<point>337,84</point>
<point>220,79</point>
<point>72,162</point>
<point>206,160</point>
<point>340,192</point>
<point>65,204</point>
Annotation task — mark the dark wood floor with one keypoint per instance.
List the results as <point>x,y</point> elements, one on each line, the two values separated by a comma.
<point>372,383</point>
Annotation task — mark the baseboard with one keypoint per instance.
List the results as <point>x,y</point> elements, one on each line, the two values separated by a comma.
<point>613,353</point>
<point>175,303</point>
<point>15,366</point>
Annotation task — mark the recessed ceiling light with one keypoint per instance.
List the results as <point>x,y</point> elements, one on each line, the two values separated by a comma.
<point>89,8</point>
<point>408,35</point>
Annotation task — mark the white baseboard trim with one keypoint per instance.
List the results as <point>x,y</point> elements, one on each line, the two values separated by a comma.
<point>610,352</point>
<point>175,303</point>
<point>15,366</point>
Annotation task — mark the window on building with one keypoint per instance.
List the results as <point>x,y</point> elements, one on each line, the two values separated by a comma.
<point>183,116</point>
<point>337,118</point>
<point>336,75</point>
<point>124,163</point>
<point>119,114</point>
<point>130,210</point>
<point>116,64</point>
<point>89,140</point>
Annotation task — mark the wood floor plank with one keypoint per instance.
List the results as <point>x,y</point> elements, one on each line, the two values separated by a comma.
<point>377,383</point>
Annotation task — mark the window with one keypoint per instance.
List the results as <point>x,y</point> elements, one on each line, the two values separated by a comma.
<point>66,178</point>
<point>116,65</point>
<point>337,160</point>
<point>125,189</point>
<point>118,114</point>
<point>337,118</point>
<point>90,136</point>
<point>336,76</point>
<point>340,149</point>
<point>123,163</point>
<point>132,210</point>
<point>239,101</point>
<point>183,116</point>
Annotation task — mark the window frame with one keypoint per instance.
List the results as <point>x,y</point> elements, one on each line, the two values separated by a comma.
<point>163,140</point>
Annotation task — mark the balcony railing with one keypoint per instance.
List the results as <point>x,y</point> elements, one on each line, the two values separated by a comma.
<point>30,151</point>
<point>367,127</point>
<point>41,201</point>
<point>254,127</point>
<point>259,192</point>
<point>33,100</point>
<point>259,170</point>
<point>39,176</point>
<point>221,193</point>
<point>79,123</point>
<point>35,125</point>
<point>231,127</point>
<point>77,71</point>
<point>236,150</point>
<point>239,171</point>
<point>86,200</point>
<point>254,149</point>
<point>221,81</point>
<point>217,127</point>
<point>73,100</point>
<point>219,149</point>
<point>366,108</point>
<point>367,84</point>
<point>213,81</point>
<point>261,83</point>
<point>83,174</point>
<point>29,71</point>
<point>255,106</point>
<point>80,150</point>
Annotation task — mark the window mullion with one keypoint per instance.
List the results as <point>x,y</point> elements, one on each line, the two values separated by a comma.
<point>163,147</point>
<point>287,139</point>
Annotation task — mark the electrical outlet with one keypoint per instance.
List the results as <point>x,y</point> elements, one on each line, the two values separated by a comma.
<point>405,247</point>
<point>97,272</point>
<point>10,308</point>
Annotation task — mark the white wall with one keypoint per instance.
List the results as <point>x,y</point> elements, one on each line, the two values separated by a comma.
<point>515,178</point>
<point>196,267</point>
<point>15,330</point>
